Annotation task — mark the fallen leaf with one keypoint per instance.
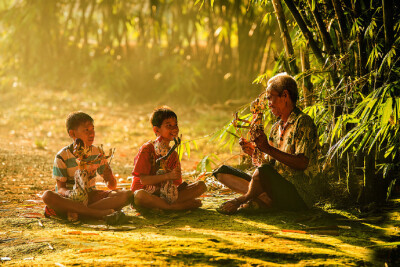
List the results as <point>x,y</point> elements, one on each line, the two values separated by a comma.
<point>90,233</point>
<point>7,240</point>
<point>34,200</point>
<point>90,250</point>
<point>40,240</point>
<point>163,223</point>
<point>32,215</point>
<point>325,232</point>
<point>74,232</point>
<point>293,231</point>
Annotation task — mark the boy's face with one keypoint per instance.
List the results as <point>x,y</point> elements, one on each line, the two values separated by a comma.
<point>85,131</point>
<point>168,130</point>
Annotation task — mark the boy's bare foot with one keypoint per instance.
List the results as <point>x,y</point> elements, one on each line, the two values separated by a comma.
<point>72,216</point>
<point>193,204</point>
<point>117,217</point>
<point>187,205</point>
<point>103,213</point>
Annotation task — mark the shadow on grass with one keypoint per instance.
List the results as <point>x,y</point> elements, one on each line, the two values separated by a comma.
<point>271,224</point>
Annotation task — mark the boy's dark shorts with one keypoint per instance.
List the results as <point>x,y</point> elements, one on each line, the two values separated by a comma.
<point>283,193</point>
<point>94,196</point>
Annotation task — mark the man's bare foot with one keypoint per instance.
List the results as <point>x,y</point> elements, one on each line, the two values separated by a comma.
<point>229,207</point>
<point>265,199</point>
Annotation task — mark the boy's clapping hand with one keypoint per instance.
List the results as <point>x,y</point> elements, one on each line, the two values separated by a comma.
<point>175,174</point>
<point>109,178</point>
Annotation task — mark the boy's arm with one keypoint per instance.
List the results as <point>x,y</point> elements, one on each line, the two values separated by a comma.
<point>109,178</point>
<point>175,174</point>
<point>62,188</point>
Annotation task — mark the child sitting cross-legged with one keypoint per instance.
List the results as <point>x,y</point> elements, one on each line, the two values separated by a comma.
<point>157,181</point>
<point>75,168</point>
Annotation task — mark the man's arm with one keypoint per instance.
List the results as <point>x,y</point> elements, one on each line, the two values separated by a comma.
<point>297,162</point>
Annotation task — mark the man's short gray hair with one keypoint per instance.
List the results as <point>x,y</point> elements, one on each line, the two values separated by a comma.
<point>281,82</point>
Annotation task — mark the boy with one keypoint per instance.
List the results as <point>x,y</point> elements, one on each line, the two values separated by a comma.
<point>146,182</point>
<point>100,204</point>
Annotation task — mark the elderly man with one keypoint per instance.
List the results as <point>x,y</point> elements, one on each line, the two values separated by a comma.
<point>284,181</point>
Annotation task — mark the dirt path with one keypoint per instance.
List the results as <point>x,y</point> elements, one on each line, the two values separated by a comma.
<point>32,131</point>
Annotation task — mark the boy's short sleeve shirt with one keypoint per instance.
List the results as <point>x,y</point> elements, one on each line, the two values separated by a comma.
<point>65,166</point>
<point>145,164</point>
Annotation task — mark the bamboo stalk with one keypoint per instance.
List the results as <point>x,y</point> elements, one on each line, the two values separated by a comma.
<point>326,38</point>
<point>304,29</point>
<point>387,6</point>
<point>341,18</point>
<point>287,42</point>
<point>307,85</point>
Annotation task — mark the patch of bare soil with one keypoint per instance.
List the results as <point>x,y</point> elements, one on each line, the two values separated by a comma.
<point>32,131</point>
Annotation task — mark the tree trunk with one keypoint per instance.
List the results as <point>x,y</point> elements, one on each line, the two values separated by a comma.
<point>307,85</point>
<point>370,183</point>
<point>326,38</point>
<point>388,23</point>
<point>362,55</point>
<point>287,42</point>
<point>306,32</point>
<point>341,18</point>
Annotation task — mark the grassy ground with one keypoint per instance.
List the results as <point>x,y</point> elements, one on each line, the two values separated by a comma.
<point>32,131</point>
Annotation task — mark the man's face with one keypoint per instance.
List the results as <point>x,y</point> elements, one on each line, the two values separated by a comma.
<point>276,102</point>
<point>85,131</point>
<point>168,130</point>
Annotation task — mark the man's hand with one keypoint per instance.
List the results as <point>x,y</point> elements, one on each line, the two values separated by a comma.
<point>247,146</point>
<point>175,174</point>
<point>261,141</point>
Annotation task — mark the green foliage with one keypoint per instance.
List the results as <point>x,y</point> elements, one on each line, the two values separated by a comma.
<point>207,163</point>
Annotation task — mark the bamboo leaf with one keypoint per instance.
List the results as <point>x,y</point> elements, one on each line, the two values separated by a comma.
<point>195,145</point>
<point>386,112</point>
<point>382,130</point>
<point>187,146</point>
<point>389,151</point>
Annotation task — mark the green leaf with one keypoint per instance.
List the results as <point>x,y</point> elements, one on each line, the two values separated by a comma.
<point>195,145</point>
<point>389,151</point>
<point>386,112</point>
<point>187,146</point>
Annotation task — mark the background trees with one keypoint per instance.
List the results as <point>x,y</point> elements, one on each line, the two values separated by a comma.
<point>130,48</point>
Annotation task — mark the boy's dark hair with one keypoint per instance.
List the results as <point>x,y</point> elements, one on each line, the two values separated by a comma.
<point>75,119</point>
<point>160,114</point>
